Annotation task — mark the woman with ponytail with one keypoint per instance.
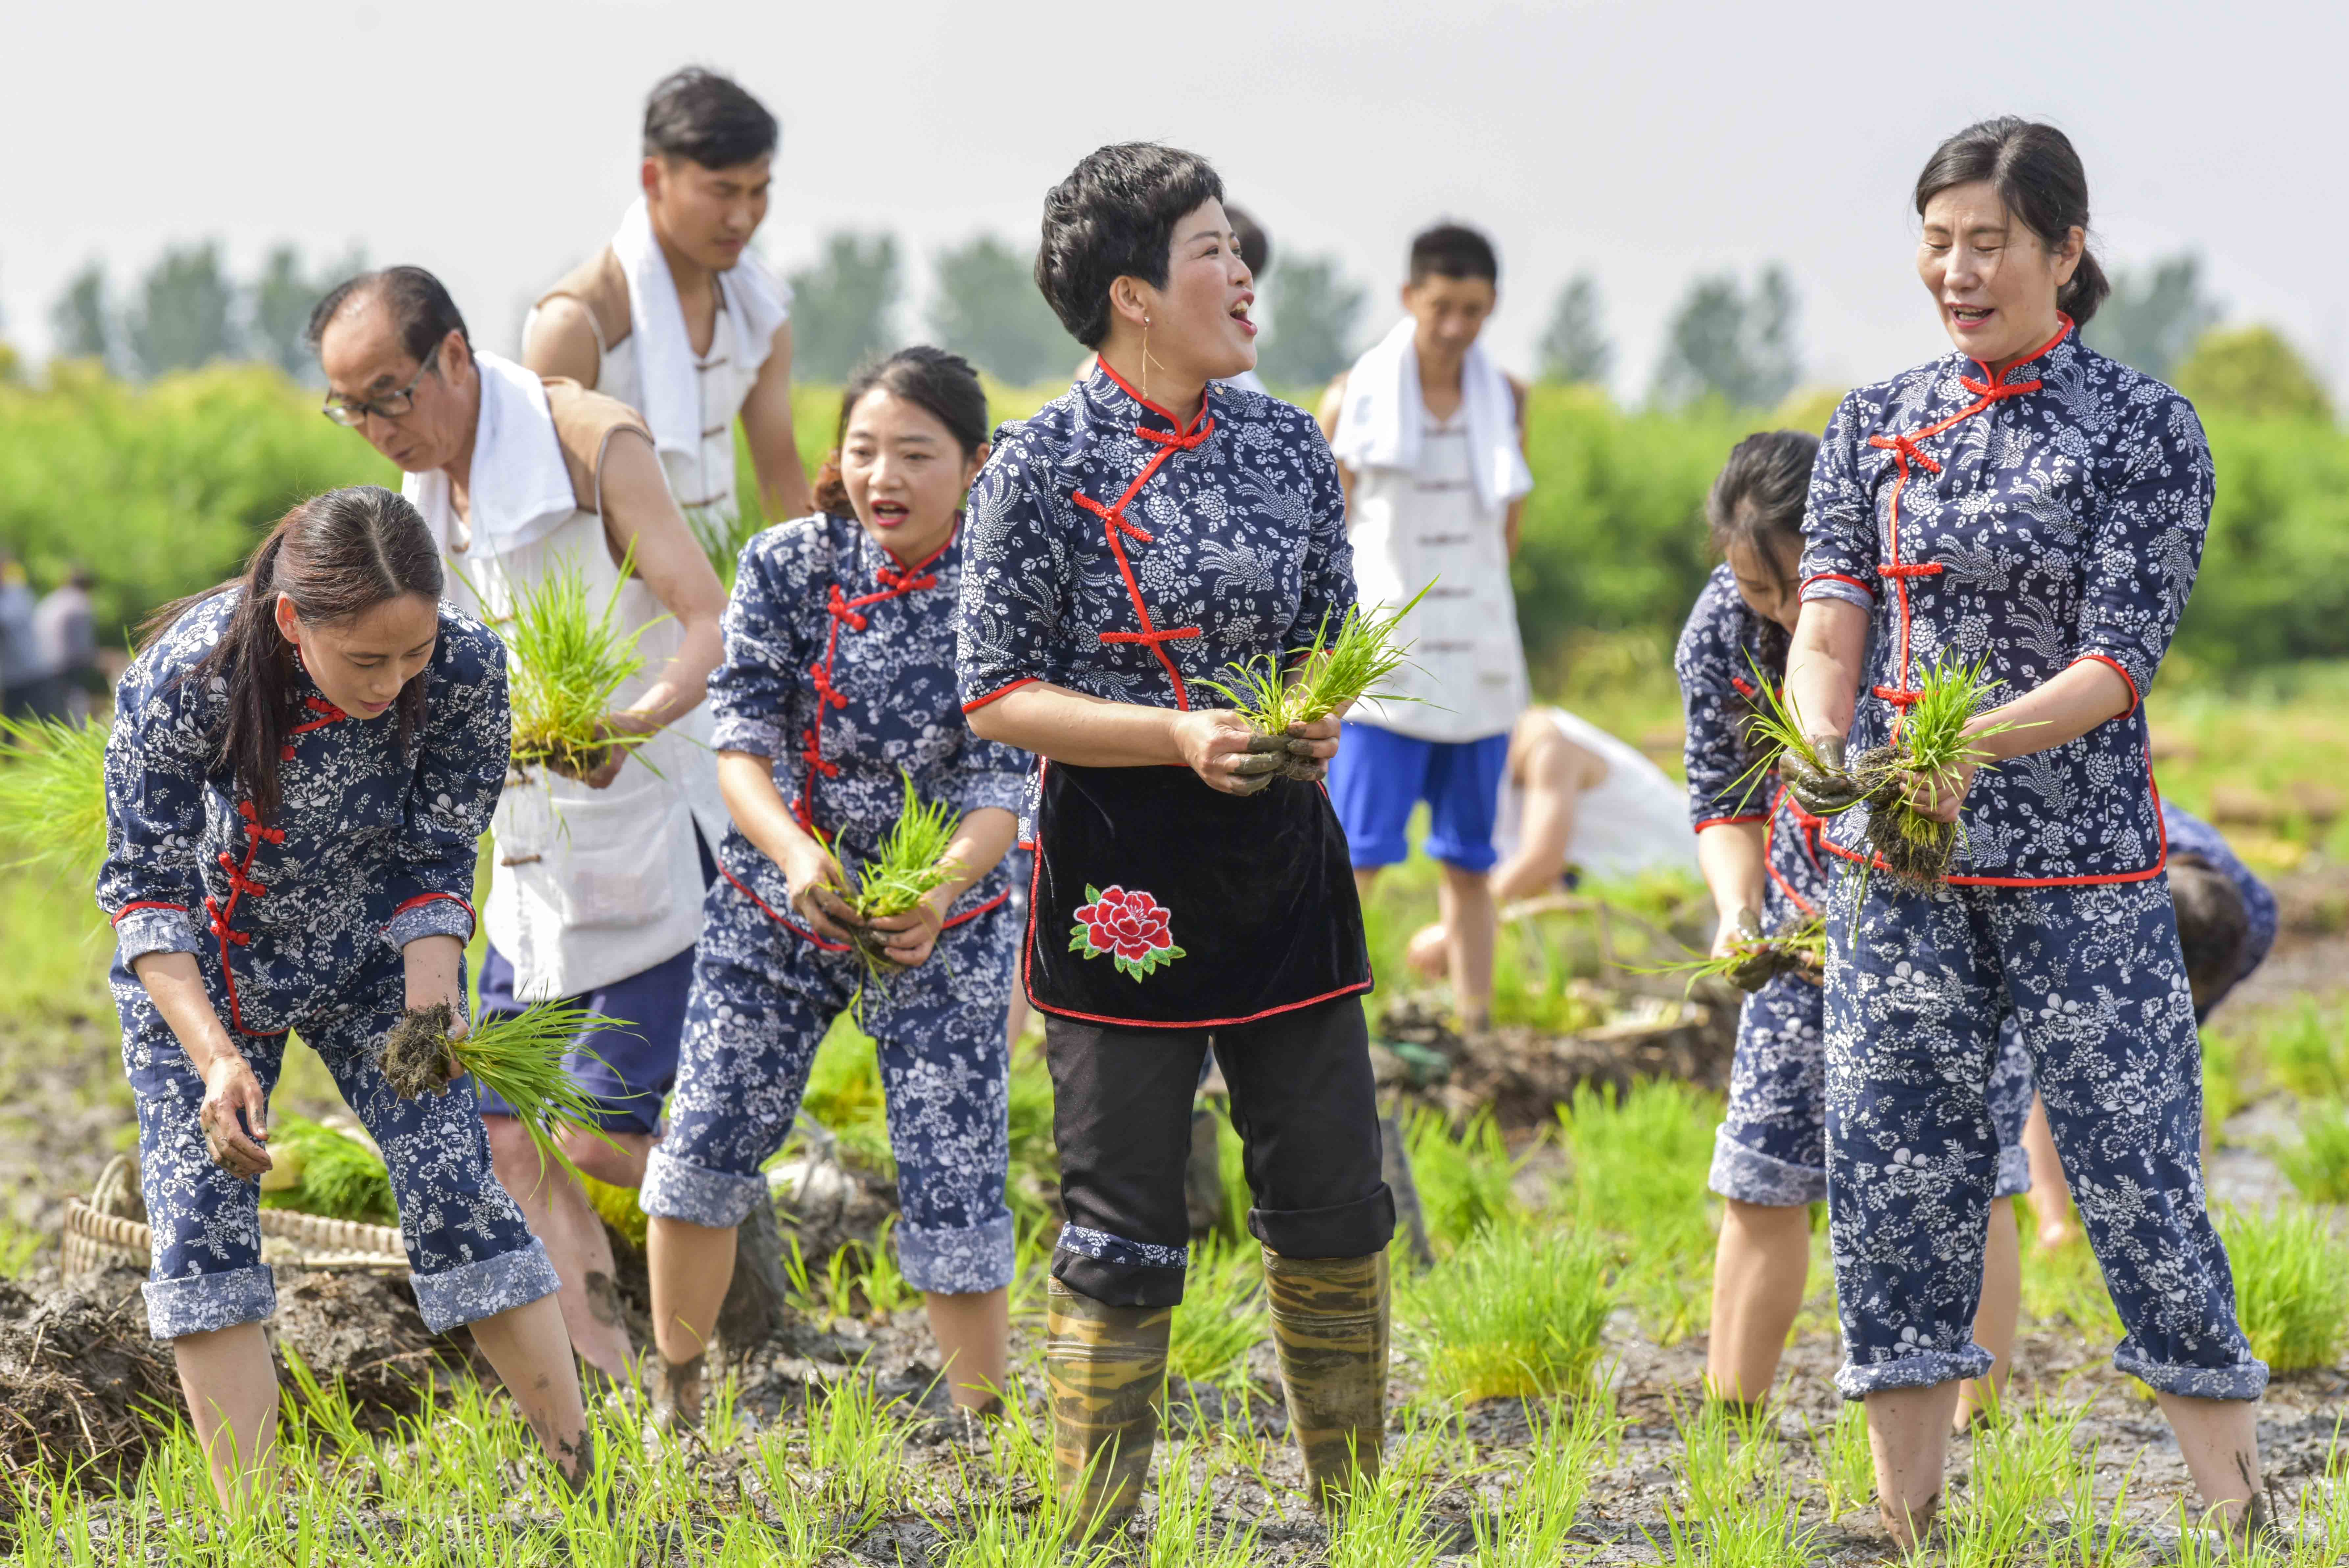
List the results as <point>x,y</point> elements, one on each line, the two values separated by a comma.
<point>2030,504</point>
<point>301,766</point>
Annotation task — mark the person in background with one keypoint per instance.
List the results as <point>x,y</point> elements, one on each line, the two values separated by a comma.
<point>65,640</point>
<point>1574,801</point>
<point>1255,255</point>
<point>2226,924</point>
<point>1430,440</point>
<point>1767,868</point>
<point>21,674</point>
<point>597,894</point>
<point>679,319</point>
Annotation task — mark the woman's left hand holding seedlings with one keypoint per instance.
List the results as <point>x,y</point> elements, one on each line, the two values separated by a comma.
<point>1940,797</point>
<point>909,939</point>
<point>1309,749</point>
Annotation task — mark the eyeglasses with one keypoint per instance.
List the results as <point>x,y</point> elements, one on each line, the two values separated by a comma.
<point>350,412</point>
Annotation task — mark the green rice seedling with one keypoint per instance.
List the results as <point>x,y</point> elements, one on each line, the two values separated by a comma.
<point>1184,1533</point>
<point>1931,745</point>
<point>1742,1510</point>
<point>2227,1065</point>
<point>1540,1511</point>
<point>1222,1317</point>
<point>1465,1181</point>
<point>2321,1537</point>
<point>1517,1310</point>
<point>568,662</point>
<point>520,1058</point>
<point>322,1170</point>
<point>2310,1054</point>
<point>53,796</point>
<point>1846,1465</point>
<point>1382,1523</point>
<point>1798,947</point>
<point>885,1286</point>
<point>2078,1543</point>
<point>911,864</point>
<point>2021,1467</point>
<point>1274,692</point>
<point>721,537</point>
<point>2291,1285</point>
<point>1637,1173</point>
<point>2318,1165</point>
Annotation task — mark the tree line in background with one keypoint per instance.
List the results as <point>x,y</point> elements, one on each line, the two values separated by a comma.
<point>1728,342</point>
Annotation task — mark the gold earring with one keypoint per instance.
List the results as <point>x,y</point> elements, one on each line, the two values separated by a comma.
<point>1145,358</point>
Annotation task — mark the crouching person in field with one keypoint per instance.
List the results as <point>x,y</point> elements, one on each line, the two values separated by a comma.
<point>597,894</point>
<point>301,766</point>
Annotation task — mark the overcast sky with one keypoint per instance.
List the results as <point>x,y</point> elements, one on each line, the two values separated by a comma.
<point>1644,142</point>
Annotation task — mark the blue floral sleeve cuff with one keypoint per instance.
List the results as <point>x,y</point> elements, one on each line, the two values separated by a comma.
<point>733,733</point>
<point>155,931</point>
<point>442,917</point>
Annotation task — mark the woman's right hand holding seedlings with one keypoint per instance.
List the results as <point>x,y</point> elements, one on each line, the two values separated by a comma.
<point>1824,789</point>
<point>1227,753</point>
<point>816,880</point>
<point>230,1087</point>
<point>1309,748</point>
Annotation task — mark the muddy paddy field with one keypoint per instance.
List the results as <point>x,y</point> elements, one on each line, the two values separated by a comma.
<point>1548,1353</point>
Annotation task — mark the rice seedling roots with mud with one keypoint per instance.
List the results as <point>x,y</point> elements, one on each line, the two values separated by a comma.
<point>414,1056</point>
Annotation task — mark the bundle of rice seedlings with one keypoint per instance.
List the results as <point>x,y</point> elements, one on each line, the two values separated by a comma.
<point>1332,672</point>
<point>721,537</point>
<point>1798,947</point>
<point>323,1170</point>
<point>520,1057</point>
<point>568,661</point>
<point>911,865</point>
<point>53,795</point>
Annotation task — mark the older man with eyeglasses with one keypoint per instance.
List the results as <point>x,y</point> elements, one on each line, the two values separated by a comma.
<point>596,895</point>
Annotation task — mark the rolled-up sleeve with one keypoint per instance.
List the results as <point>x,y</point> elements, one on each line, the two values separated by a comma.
<point>751,690</point>
<point>1328,580</point>
<point>149,885</point>
<point>468,736</point>
<point>2149,528</point>
<point>1839,545</point>
<point>1014,581</point>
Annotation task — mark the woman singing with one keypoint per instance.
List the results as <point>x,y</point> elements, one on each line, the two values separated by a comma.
<point>1142,534</point>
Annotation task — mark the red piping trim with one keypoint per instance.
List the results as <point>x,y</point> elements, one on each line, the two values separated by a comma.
<point>978,703</point>
<point>1744,687</point>
<point>219,915</point>
<point>906,580</point>
<point>2115,666</point>
<point>1186,437</point>
<point>1839,578</point>
<point>1727,821</point>
<point>2159,861</point>
<point>116,918</point>
<point>422,898</point>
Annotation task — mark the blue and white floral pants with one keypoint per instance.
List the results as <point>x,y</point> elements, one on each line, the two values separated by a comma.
<point>763,998</point>
<point>1771,1147</point>
<point>472,1253</point>
<point>1913,1000</point>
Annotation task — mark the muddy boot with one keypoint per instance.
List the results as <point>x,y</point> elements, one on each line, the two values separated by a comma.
<point>1329,1325</point>
<point>1203,1175</point>
<point>1107,1366</point>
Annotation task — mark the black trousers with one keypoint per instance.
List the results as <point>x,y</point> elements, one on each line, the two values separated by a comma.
<point>1307,1112</point>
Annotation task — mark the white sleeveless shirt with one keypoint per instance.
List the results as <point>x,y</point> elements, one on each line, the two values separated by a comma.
<point>1427,524</point>
<point>1633,820</point>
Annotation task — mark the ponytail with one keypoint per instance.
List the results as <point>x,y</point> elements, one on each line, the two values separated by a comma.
<point>2088,289</point>
<point>337,556</point>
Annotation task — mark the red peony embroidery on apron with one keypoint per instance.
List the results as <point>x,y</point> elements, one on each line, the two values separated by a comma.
<point>1130,927</point>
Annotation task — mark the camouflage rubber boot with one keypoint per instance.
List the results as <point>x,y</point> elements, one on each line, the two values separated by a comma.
<point>1329,1325</point>
<point>1107,1366</point>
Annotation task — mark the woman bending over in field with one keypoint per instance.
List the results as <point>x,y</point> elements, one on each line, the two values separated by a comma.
<point>2030,504</point>
<point>301,766</point>
<point>839,684</point>
<point>1767,870</point>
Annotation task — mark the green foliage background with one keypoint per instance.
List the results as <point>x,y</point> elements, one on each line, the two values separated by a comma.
<point>161,488</point>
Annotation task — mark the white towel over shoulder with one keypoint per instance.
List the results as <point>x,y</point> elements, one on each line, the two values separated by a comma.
<point>520,490</point>
<point>665,364</point>
<point>1383,417</point>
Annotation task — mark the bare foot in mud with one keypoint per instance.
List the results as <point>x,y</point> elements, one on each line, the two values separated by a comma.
<point>676,1393</point>
<point>1911,1530</point>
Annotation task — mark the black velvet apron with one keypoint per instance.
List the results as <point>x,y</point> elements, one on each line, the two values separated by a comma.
<point>1160,903</point>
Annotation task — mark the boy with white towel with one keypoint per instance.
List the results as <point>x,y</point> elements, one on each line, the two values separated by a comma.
<point>679,319</point>
<point>1430,438</point>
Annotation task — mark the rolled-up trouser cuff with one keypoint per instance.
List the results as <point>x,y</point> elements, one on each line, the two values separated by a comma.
<point>2014,1172</point>
<point>673,1189</point>
<point>199,1303</point>
<point>2244,1380</point>
<point>1353,1230</point>
<point>1749,1176</point>
<point>1117,1271</point>
<point>472,1292</point>
<point>961,1260</point>
<point>1920,1370</point>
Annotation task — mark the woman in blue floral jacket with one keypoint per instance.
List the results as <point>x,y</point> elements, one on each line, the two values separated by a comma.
<point>301,767</point>
<point>2027,501</point>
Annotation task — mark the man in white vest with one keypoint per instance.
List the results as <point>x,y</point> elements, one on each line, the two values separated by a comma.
<point>679,319</point>
<point>1428,436</point>
<point>596,892</point>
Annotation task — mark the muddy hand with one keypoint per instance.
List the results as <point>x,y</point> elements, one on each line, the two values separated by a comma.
<point>1826,789</point>
<point>233,1102</point>
<point>1757,969</point>
<point>1310,749</point>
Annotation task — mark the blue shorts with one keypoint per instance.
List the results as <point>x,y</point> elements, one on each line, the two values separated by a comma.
<point>1378,776</point>
<point>627,1071</point>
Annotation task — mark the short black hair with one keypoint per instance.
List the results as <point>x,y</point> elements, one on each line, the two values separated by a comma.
<point>941,384</point>
<point>1757,498</point>
<point>2213,926</point>
<point>420,309</point>
<point>700,115</point>
<point>1256,245</point>
<point>1453,249</point>
<point>1114,217</point>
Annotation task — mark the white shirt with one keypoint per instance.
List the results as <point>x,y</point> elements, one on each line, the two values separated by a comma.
<point>1634,819</point>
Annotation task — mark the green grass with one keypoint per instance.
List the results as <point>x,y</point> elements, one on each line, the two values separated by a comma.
<point>1515,1310</point>
<point>53,796</point>
<point>1637,1174</point>
<point>1222,1317</point>
<point>1464,1179</point>
<point>1546,1499</point>
<point>2308,1053</point>
<point>2318,1165</point>
<point>2292,1286</point>
<point>1846,1467</point>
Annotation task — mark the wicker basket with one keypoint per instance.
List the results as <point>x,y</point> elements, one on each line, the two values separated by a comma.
<point>112,1228</point>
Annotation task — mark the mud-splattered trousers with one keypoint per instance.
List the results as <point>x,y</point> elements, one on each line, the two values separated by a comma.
<point>298,924</point>
<point>1771,1147</point>
<point>840,667</point>
<point>2046,517</point>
